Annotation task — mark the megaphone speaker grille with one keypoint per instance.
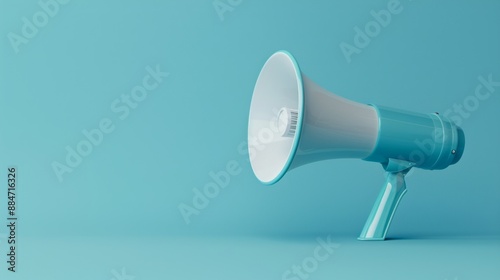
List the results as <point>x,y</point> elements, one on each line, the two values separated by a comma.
<point>276,115</point>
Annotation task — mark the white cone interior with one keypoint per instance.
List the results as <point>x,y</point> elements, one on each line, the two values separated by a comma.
<point>279,86</point>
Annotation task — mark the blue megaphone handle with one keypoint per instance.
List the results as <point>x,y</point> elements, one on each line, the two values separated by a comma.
<point>387,201</point>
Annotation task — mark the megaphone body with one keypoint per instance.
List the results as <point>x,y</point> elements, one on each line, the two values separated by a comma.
<point>298,122</point>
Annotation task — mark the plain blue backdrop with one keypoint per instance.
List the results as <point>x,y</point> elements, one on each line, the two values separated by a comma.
<point>65,78</point>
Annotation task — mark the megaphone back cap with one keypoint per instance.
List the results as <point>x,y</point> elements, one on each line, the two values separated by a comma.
<point>278,86</point>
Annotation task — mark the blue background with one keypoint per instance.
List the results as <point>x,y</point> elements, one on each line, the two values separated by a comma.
<point>64,80</point>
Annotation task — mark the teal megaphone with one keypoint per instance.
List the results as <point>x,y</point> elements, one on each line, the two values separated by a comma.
<point>298,122</point>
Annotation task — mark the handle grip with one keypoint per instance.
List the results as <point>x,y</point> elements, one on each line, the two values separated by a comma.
<point>385,206</point>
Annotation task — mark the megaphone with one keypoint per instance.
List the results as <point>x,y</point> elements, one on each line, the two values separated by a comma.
<point>293,122</point>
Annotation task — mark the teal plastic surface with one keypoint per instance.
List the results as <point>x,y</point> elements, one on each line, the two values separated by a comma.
<point>430,141</point>
<point>387,201</point>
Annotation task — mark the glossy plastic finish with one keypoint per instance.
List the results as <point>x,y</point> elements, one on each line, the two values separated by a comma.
<point>297,122</point>
<point>430,141</point>
<point>387,201</point>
